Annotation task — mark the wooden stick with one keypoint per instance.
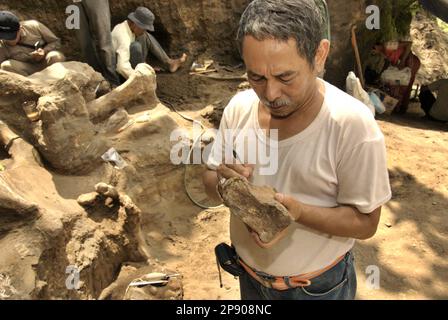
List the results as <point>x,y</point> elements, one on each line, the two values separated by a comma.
<point>358,58</point>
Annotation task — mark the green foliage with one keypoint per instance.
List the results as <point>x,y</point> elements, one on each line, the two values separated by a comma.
<point>388,29</point>
<point>396,18</point>
<point>405,11</point>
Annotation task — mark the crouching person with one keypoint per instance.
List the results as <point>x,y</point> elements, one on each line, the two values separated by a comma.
<point>26,47</point>
<point>132,43</point>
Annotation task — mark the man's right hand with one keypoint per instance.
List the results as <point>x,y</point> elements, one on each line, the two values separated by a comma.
<point>213,179</point>
<point>235,170</point>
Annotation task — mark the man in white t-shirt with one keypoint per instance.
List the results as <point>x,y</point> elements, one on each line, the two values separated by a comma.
<point>132,43</point>
<point>330,157</point>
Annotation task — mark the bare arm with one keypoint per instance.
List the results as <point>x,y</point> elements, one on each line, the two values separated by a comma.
<point>210,180</point>
<point>345,222</point>
<point>407,45</point>
<point>121,43</point>
<point>341,221</point>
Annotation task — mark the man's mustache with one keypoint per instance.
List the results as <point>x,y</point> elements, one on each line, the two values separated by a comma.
<point>277,104</point>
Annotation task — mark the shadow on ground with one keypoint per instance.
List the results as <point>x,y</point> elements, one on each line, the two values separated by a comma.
<point>430,217</point>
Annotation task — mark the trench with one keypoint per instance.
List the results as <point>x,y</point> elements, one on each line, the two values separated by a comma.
<point>180,236</point>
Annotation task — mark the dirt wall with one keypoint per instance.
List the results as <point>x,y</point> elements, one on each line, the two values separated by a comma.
<point>198,26</point>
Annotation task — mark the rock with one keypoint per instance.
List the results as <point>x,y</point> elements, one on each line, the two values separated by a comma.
<point>97,237</point>
<point>109,202</point>
<point>63,134</point>
<point>257,207</point>
<point>37,249</point>
<point>20,151</point>
<point>88,199</point>
<point>98,244</point>
<point>107,191</point>
<point>13,205</point>
<point>6,288</point>
<point>81,75</point>
<point>116,121</point>
<point>139,89</point>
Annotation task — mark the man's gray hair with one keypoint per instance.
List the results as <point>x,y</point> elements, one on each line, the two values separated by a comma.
<point>302,20</point>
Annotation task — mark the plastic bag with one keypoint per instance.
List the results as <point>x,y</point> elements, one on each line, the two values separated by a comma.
<point>395,77</point>
<point>379,106</point>
<point>112,156</point>
<point>355,89</point>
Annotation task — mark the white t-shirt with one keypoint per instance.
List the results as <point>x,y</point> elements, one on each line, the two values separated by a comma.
<point>340,159</point>
<point>440,108</point>
<point>122,37</point>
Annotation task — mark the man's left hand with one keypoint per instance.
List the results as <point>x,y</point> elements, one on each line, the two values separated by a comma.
<point>294,208</point>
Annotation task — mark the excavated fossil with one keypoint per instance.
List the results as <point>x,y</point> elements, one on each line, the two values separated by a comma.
<point>56,111</point>
<point>256,206</point>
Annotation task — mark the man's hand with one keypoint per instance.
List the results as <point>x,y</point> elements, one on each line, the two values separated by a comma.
<point>38,55</point>
<point>295,210</point>
<point>292,205</point>
<point>235,170</point>
<point>213,179</point>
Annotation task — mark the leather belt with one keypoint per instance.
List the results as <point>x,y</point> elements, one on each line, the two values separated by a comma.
<point>285,283</point>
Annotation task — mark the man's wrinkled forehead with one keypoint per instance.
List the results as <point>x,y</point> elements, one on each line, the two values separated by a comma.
<point>274,51</point>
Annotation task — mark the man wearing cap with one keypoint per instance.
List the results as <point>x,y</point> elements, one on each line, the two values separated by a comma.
<point>26,47</point>
<point>95,37</point>
<point>132,42</point>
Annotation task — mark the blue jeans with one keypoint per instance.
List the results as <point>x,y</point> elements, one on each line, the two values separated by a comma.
<point>338,283</point>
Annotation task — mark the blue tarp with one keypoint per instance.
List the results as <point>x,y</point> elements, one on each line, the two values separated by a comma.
<point>439,8</point>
